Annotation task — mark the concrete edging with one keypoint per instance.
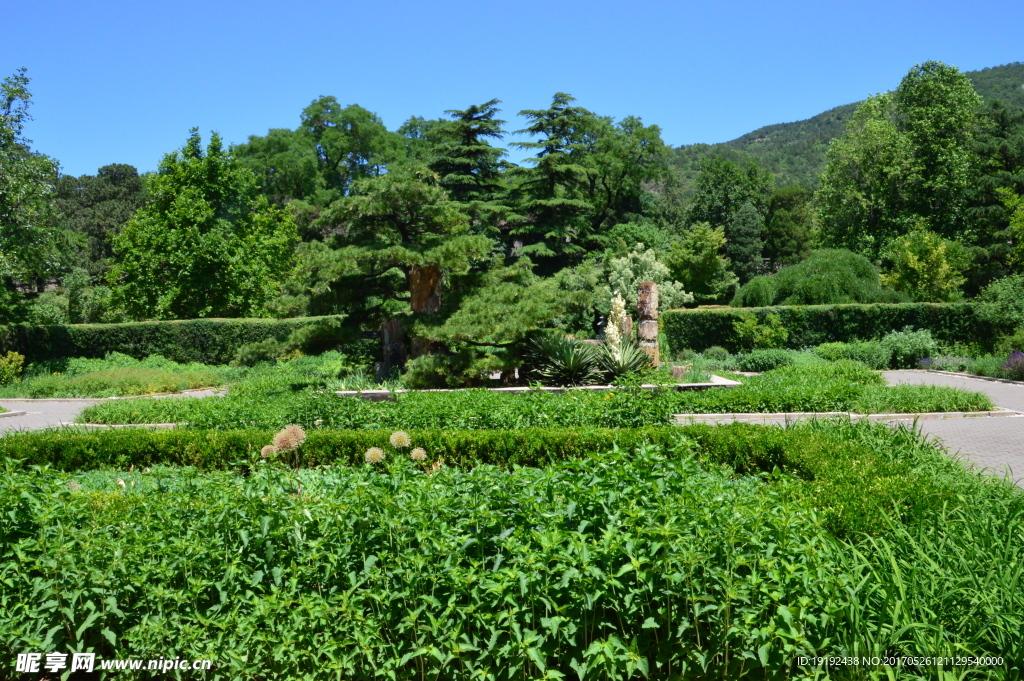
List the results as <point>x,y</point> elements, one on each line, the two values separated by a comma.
<point>381,395</point>
<point>787,417</point>
<point>960,374</point>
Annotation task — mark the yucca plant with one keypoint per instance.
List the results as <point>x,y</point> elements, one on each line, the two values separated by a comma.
<point>559,360</point>
<point>627,358</point>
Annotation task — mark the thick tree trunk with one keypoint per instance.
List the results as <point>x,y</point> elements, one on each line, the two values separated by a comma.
<point>394,353</point>
<point>425,288</point>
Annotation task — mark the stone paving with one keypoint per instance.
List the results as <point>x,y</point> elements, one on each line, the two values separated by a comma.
<point>54,413</point>
<point>996,444</point>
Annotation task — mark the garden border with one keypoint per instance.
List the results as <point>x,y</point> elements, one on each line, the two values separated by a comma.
<point>382,395</point>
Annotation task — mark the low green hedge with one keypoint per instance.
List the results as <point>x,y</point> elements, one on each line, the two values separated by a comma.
<point>847,480</point>
<point>210,341</point>
<point>810,325</point>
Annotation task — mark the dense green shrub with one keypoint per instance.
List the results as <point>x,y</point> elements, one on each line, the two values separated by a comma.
<point>717,353</point>
<point>209,341</point>
<point>764,360</point>
<point>813,325</point>
<point>827,277</point>
<point>11,366</point>
<point>1007,343</point>
<point>907,347</point>
<point>1002,302</point>
<point>753,333</point>
<point>758,292</point>
<point>871,353</point>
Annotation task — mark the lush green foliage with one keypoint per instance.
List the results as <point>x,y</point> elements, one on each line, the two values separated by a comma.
<point>114,375</point>
<point>617,579</point>
<point>827,277</point>
<point>925,266</point>
<point>764,360</point>
<point>695,262</point>
<point>809,326</point>
<point>32,248</point>
<point>907,347</point>
<point>207,244</point>
<point>208,341</point>
<point>872,353</point>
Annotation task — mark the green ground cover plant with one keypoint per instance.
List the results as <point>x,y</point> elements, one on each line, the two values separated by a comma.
<point>723,553</point>
<point>115,375</point>
<point>121,375</point>
<point>838,386</point>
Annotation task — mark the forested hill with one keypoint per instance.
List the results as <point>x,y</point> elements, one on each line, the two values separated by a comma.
<point>795,152</point>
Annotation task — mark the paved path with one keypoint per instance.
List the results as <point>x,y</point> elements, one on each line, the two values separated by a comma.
<point>993,443</point>
<point>52,413</point>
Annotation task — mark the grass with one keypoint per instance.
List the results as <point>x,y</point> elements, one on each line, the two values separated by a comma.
<point>120,375</point>
<point>641,563</point>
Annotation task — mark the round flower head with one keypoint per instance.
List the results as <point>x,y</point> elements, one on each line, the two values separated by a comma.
<point>374,455</point>
<point>268,450</point>
<point>297,433</point>
<point>418,454</point>
<point>74,486</point>
<point>285,441</point>
<point>400,439</point>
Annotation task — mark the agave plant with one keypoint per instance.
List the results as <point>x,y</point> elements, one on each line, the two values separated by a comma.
<point>629,358</point>
<point>564,361</point>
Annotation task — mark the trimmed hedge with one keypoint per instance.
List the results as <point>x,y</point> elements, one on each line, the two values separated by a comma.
<point>210,341</point>
<point>845,479</point>
<point>810,325</point>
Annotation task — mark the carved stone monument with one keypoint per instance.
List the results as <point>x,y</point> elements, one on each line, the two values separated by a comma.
<point>647,328</point>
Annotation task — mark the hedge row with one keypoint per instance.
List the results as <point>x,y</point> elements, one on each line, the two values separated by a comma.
<point>845,479</point>
<point>810,325</point>
<point>210,341</point>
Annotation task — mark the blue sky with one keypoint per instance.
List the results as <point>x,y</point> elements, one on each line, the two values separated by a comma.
<point>122,82</point>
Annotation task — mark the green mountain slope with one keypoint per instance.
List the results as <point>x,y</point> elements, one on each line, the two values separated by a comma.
<point>795,152</point>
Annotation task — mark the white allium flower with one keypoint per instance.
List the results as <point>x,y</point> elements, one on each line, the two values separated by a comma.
<point>374,455</point>
<point>400,439</point>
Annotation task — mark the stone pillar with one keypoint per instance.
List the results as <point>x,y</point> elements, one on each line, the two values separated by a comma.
<point>647,311</point>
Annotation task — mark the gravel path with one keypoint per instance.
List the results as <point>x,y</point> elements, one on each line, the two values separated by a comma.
<point>993,444</point>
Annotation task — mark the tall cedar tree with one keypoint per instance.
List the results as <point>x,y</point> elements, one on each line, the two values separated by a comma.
<point>787,227</point>
<point>468,167</point>
<point>744,246</point>
<point>552,211</point>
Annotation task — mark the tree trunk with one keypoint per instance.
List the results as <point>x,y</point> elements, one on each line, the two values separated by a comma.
<point>425,288</point>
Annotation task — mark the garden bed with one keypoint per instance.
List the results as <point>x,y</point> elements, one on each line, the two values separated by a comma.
<point>732,550</point>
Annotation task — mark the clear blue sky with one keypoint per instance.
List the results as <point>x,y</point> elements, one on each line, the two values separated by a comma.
<point>118,81</point>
